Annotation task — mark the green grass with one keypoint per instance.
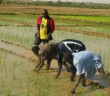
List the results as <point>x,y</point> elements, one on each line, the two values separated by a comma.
<point>84,23</point>
<point>25,18</point>
<point>23,36</point>
<point>90,18</point>
<point>17,76</point>
<point>21,80</point>
<point>94,29</point>
<point>21,77</point>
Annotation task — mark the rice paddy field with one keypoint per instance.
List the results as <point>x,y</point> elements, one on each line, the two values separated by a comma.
<point>18,27</point>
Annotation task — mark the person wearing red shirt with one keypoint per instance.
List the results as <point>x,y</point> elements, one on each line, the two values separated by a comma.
<point>45,28</point>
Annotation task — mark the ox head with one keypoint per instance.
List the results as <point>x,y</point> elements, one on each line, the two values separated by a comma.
<point>48,51</point>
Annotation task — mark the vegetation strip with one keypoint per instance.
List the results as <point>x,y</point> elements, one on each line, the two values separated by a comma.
<point>105,35</point>
<point>70,30</point>
<point>85,32</point>
<point>15,21</point>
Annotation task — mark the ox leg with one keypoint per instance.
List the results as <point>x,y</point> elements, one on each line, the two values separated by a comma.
<point>48,64</point>
<point>59,69</point>
<point>39,62</point>
<point>41,65</point>
<point>66,66</point>
<point>76,84</point>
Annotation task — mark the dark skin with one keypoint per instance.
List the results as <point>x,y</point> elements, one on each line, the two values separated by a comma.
<point>103,75</point>
<point>81,78</point>
<point>69,59</point>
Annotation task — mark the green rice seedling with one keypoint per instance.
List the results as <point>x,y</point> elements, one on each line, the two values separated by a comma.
<point>100,94</point>
<point>14,76</point>
<point>28,94</point>
<point>20,83</point>
<point>28,82</point>
<point>14,70</point>
<point>4,62</point>
<point>2,83</point>
<point>9,93</point>
<point>1,63</point>
<point>18,36</point>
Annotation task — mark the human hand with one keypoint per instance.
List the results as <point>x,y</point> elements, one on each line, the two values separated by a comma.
<point>47,38</point>
<point>37,34</point>
<point>72,91</point>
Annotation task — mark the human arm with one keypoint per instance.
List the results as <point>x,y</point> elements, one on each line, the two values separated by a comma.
<point>76,84</point>
<point>59,70</point>
<point>100,68</point>
<point>103,75</point>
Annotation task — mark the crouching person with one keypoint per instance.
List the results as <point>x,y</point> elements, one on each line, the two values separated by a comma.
<point>86,61</point>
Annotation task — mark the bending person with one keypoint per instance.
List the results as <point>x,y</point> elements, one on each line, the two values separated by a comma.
<point>85,61</point>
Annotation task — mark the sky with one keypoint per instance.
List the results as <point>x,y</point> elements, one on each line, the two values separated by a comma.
<point>94,1</point>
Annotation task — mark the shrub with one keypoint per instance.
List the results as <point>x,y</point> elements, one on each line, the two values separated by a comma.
<point>1,1</point>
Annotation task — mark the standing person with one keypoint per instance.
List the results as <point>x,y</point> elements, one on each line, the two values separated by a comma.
<point>45,28</point>
<point>86,61</point>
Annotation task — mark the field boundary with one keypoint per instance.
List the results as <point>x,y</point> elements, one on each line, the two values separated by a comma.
<point>85,32</point>
<point>21,52</point>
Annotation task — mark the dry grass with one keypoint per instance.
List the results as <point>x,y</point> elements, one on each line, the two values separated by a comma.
<point>54,10</point>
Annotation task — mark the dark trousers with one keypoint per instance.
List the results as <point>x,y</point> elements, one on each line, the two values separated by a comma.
<point>38,41</point>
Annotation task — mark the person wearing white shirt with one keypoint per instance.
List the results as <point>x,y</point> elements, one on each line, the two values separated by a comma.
<point>85,61</point>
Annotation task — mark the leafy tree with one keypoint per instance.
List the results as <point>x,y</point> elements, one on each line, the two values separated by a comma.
<point>1,1</point>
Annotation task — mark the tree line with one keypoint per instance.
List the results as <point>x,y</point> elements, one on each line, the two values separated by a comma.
<point>59,4</point>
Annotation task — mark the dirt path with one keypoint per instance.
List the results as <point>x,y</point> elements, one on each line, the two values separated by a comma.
<point>22,52</point>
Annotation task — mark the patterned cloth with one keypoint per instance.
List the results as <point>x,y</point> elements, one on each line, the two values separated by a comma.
<point>43,29</point>
<point>70,45</point>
